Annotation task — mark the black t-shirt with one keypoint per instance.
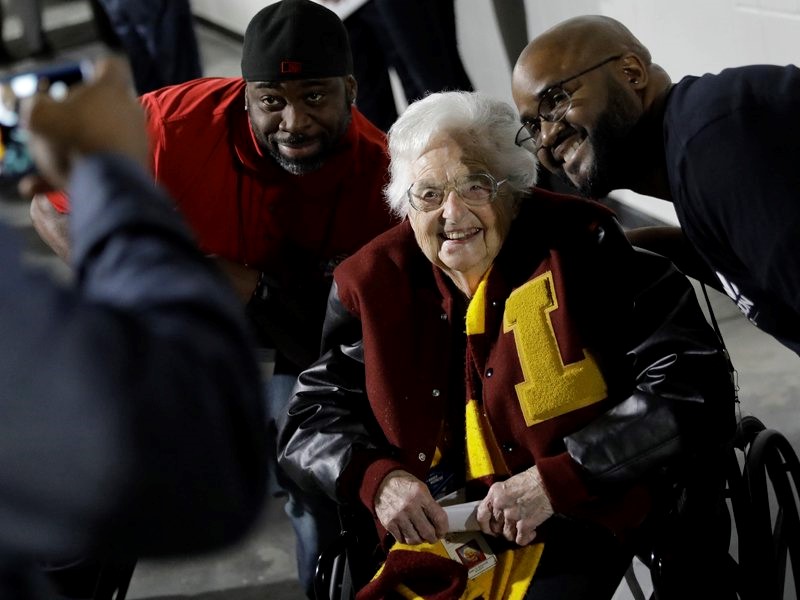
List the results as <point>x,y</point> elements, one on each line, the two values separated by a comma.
<point>732,145</point>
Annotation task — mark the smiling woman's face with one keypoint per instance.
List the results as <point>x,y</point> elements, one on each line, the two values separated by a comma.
<point>462,240</point>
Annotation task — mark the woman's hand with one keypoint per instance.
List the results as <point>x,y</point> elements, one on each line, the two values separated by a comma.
<point>516,507</point>
<point>407,510</point>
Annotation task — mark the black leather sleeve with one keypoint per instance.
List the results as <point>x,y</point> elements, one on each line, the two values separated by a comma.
<point>681,395</point>
<point>329,419</point>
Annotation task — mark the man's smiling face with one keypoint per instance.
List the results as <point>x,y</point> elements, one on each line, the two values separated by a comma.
<point>300,122</point>
<point>585,147</point>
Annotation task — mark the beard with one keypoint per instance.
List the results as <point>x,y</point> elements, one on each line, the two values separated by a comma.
<point>300,166</point>
<point>607,140</point>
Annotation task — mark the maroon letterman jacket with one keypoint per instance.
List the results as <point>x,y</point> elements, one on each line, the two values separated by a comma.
<point>375,400</point>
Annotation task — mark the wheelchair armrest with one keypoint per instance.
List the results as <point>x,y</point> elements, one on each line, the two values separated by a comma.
<point>331,575</point>
<point>351,560</point>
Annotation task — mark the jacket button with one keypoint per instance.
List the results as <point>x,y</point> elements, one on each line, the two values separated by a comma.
<point>435,393</point>
<point>489,372</point>
<point>507,447</point>
<point>421,456</point>
<point>443,316</point>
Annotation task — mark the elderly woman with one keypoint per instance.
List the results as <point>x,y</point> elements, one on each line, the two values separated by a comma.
<point>509,343</point>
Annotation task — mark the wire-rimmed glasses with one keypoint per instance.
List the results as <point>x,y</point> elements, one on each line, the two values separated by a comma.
<point>554,104</point>
<point>475,189</point>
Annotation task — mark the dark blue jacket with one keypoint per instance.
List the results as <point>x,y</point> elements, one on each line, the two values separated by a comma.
<point>130,410</point>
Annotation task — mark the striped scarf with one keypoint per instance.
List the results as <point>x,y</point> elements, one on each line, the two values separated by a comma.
<point>426,571</point>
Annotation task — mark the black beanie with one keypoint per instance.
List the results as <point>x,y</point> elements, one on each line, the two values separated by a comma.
<point>295,39</point>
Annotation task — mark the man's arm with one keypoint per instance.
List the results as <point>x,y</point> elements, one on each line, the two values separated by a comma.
<point>682,397</point>
<point>192,386</point>
<point>289,315</point>
<point>672,243</point>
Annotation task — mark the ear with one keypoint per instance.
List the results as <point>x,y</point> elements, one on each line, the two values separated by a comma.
<point>350,89</point>
<point>634,71</point>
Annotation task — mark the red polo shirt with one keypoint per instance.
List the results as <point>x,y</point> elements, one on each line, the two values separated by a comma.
<point>240,203</point>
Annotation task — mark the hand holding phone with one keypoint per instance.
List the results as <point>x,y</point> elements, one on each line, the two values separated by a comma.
<point>55,80</point>
<point>102,115</point>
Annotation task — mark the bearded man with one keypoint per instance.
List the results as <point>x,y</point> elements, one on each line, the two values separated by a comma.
<point>597,111</point>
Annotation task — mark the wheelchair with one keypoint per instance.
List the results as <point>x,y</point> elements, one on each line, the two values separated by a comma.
<point>758,539</point>
<point>760,530</point>
<point>750,509</point>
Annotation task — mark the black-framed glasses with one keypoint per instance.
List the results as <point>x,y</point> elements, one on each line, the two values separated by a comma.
<point>554,104</point>
<point>476,189</point>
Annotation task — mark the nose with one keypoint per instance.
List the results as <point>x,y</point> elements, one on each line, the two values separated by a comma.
<point>294,119</point>
<point>550,131</point>
<point>453,206</point>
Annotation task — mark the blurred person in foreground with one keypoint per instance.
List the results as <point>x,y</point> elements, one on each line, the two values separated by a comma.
<point>598,112</point>
<point>507,345</point>
<point>130,402</point>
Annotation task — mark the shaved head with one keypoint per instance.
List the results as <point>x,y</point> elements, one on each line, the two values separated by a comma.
<point>586,38</point>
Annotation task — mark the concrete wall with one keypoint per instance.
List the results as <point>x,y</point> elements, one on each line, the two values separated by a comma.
<point>684,36</point>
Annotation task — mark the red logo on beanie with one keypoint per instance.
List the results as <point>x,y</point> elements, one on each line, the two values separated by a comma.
<point>291,66</point>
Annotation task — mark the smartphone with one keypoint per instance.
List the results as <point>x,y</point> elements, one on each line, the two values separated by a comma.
<point>55,79</point>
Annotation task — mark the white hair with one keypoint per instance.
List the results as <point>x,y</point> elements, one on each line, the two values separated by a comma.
<point>490,123</point>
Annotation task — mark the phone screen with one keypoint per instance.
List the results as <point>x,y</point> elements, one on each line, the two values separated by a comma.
<point>15,161</point>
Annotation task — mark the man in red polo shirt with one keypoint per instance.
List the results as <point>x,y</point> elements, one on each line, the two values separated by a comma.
<point>280,177</point>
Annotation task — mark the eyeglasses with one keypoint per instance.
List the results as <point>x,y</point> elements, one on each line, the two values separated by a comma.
<point>475,190</point>
<point>554,104</point>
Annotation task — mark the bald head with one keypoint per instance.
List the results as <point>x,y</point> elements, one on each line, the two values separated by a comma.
<point>587,38</point>
<point>580,42</point>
